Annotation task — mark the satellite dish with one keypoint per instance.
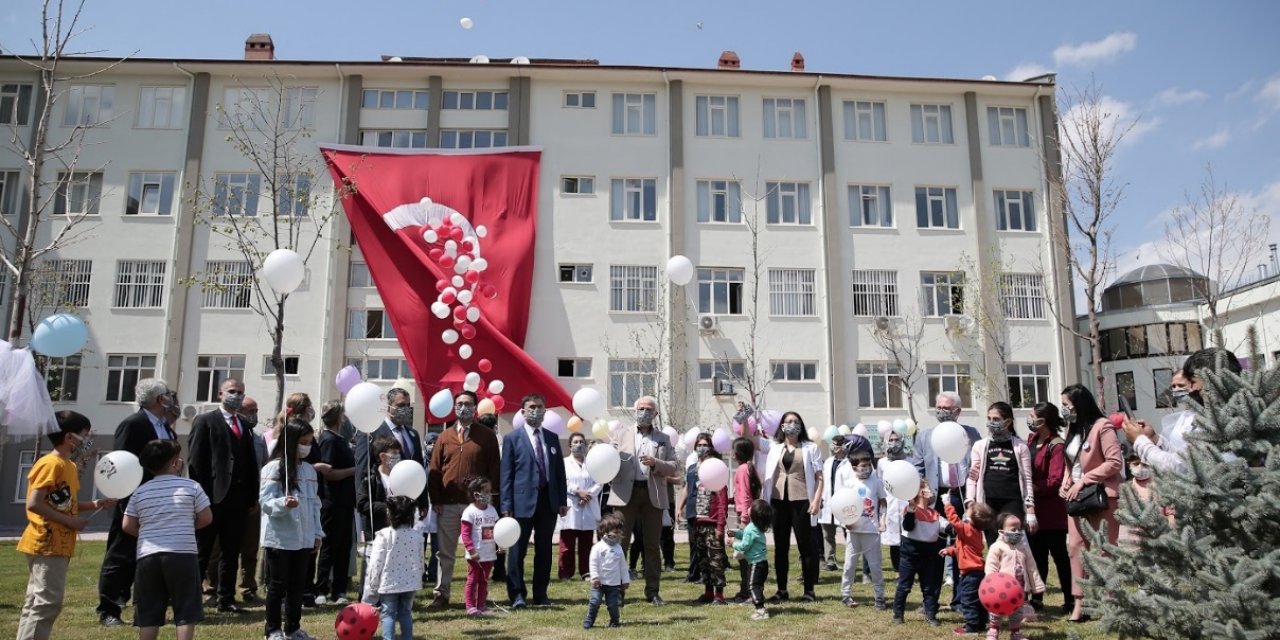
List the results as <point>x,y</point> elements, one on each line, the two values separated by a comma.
<point>520,60</point>
<point>480,60</point>
<point>395,59</point>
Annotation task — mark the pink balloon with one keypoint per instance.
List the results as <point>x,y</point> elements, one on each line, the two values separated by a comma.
<point>615,426</point>
<point>348,377</point>
<point>555,424</point>
<point>721,440</point>
<point>770,419</point>
<point>737,428</point>
<point>713,473</point>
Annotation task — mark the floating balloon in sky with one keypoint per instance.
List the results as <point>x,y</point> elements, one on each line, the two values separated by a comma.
<point>466,23</point>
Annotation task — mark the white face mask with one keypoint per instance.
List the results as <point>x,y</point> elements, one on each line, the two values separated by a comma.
<point>304,450</point>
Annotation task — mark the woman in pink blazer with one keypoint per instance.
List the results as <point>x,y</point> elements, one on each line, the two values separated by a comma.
<point>1094,455</point>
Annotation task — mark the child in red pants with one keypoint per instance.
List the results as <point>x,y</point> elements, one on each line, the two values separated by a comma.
<point>478,520</point>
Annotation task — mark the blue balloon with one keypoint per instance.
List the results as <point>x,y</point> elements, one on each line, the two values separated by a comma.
<point>59,336</point>
<point>831,433</point>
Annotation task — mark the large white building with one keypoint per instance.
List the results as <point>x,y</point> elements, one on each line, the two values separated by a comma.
<point>880,204</point>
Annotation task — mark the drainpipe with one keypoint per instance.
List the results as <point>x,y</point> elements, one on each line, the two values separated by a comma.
<point>822,242</point>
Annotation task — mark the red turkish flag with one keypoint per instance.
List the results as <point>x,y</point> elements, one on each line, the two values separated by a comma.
<point>385,203</point>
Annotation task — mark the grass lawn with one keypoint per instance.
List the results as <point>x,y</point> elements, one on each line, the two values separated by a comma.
<point>826,619</point>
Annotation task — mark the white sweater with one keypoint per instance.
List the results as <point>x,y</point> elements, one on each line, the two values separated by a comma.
<point>395,563</point>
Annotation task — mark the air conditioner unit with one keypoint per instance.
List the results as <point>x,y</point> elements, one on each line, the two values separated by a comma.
<point>722,387</point>
<point>708,323</point>
<point>882,323</point>
<point>189,411</point>
<point>953,323</point>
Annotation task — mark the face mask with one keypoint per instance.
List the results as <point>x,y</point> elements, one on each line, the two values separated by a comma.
<point>1032,425</point>
<point>1000,431</point>
<point>611,539</point>
<point>428,449</point>
<point>1140,473</point>
<point>533,417</point>
<point>927,495</point>
<point>304,450</point>
<point>82,448</point>
<point>309,415</point>
<point>465,412</point>
<point>249,421</point>
<point>943,415</point>
<point>393,459</point>
<point>644,417</point>
<point>1181,396</point>
<point>480,498</point>
<point>171,409</point>
<point>232,401</point>
<point>1068,415</point>
<point>863,472</point>
<point>578,448</point>
<point>791,429</point>
<point>894,447</point>
<point>1012,538</point>
<point>702,451</point>
<point>403,416</point>
<point>177,466</point>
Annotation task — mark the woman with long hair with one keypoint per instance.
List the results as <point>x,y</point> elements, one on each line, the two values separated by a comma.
<point>1048,465</point>
<point>793,485</point>
<point>1000,470</point>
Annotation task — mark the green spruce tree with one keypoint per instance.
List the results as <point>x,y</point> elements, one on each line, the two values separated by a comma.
<point>1215,573</point>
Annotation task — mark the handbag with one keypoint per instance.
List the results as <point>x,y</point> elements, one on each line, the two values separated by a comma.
<point>1092,497</point>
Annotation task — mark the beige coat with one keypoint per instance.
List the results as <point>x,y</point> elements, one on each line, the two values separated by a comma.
<point>1002,558</point>
<point>665,468</point>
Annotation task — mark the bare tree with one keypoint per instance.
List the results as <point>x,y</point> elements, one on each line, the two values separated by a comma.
<point>270,125</point>
<point>1087,192</point>
<point>1215,235</point>
<point>984,335</point>
<point>901,339</point>
<point>54,209</point>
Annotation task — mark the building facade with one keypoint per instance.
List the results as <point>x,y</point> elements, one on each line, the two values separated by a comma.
<point>849,233</point>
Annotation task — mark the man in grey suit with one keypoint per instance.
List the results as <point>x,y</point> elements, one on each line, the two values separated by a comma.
<point>639,492</point>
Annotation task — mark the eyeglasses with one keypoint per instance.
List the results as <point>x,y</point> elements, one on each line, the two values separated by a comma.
<point>463,405</point>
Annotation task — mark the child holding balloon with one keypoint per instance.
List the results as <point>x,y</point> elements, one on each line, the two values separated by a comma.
<point>967,550</point>
<point>290,502</point>
<point>478,521</point>
<point>395,568</point>
<point>920,546</point>
<point>711,508</point>
<point>1010,555</point>
<point>862,532</point>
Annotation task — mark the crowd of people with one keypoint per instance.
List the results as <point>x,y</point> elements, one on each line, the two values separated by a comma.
<point>1010,506</point>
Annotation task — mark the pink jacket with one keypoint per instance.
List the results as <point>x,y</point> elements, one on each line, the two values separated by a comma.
<point>1002,558</point>
<point>742,497</point>
<point>974,490</point>
<point>1101,458</point>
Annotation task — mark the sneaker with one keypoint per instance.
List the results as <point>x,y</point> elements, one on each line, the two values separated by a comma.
<point>780,596</point>
<point>249,597</point>
<point>615,625</point>
<point>993,633</point>
<point>809,596</point>
<point>438,602</point>
<point>831,566</point>
<point>740,598</point>
<point>760,614</point>
<point>932,621</point>
<point>866,579</point>
<point>880,605</point>
<point>720,602</point>
<point>704,598</point>
<point>473,612</point>
<point>321,601</point>
<point>948,582</point>
<point>848,601</point>
<point>275,635</point>
<point>111,621</point>
<point>341,601</point>
<point>898,620</point>
<point>300,635</point>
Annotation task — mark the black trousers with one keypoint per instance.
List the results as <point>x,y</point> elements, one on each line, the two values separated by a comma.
<point>337,522</point>
<point>227,532</point>
<point>1045,543</point>
<point>788,516</point>
<point>541,526</point>
<point>669,538</point>
<point>119,564</point>
<point>286,580</point>
<point>1004,506</point>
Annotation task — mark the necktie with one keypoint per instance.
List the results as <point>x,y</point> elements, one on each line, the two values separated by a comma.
<point>404,443</point>
<point>834,465</point>
<point>235,426</point>
<point>542,460</point>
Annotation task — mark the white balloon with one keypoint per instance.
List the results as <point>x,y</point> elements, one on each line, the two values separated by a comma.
<point>430,236</point>
<point>713,473</point>
<point>482,231</point>
<point>439,309</point>
<point>459,268</point>
<point>458,282</point>
<point>473,314</point>
<point>506,533</point>
<point>449,336</point>
<point>472,379</point>
<point>950,442</point>
<point>464,351</point>
<point>466,23</point>
<point>588,403</point>
<point>844,430</point>
<point>365,407</point>
<point>602,463</point>
<point>496,386</point>
<point>434,223</point>
<point>479,264</point>
<point>860,430</point>
<point>680,270</point>
<point>901,479</point>
<point>464,262</point>
<point>451,249</point>
<point>844,506</point>
<point>441,403</point>
<point>465,296</point>
<point>407,478</point>
<point>284,270</point>
<point>117,475</point>
<point>457,218</point>
<point>691,437</point>
<point>815,434</point>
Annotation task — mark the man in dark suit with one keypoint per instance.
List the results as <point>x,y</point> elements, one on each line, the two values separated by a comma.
<point>221,457</point>
<point>115,580</point>
<point>533,492</point>
<point>398,425</point>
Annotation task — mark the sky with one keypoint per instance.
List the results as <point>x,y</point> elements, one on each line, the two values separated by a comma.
<point>1201,80</point>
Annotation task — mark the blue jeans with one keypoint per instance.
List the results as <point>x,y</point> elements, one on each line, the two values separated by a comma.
<point>397,607</point>
<point>612,595</point>
<point>975,615</point>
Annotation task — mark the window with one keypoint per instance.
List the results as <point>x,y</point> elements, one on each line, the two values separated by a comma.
<point>139,284</point>
<point>300,107</point>
<point>573,367</point>
<point>1163,381</point>
<point>472,138</point>
<point>792,292</point>
<point>717,116</point>
<point>576,273</point>
<point>1022,295</point>
<point>382,368</point>
<point>720,291</point>
<point>394,138</point>
<point>4,283</point>
<point>719,201</point>
<point>475,100</point>
<point>875,292</point>
<point>864,121</point>
<point>69,281</point>
<point>236,194</point>
<point>290,365</point>
<point>246,108</point>
<point>580,100</point>
<point>633,200</point>
<point>360,276</point>
<point>228,284</point>
<point>123,374</point>
<point>78,194</point>
<point>721,370</point>
<point>293,197</point>
<point>150,194</point>
<point>578,185</point>
<point>1125,388</point>
<point>89,105</point>
<point>1028,384</point>
<point>1015,211</point>
<point>629,380</point>
<point>369,324</point>
<point>162,107</point>
<point>634,114</point>
<point>787,203</point>
<point>936,208</point>
<point>1157,340</point>
<point>26,460</point>
<point>784,118</point>
<point>870,206</point>
<point>1137,339</point>
<point>633,288</point>
<point>62,377</point>
<point>931,124</point>
<point>15,103</point>
<point>943,293</point>
<point>394,99</point>
<point>949,377</point>
<point>794,371</point>
<point>1008,127</point>
<point>879,386</point>
<point>9,186</point>
<point>212,370</point>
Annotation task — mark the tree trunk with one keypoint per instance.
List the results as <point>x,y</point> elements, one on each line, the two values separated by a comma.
<point>277,359</point>
<point>1095,344</point>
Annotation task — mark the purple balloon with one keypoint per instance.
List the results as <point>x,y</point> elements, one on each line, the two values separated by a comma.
<point>721,439</point>
<point>555,424</point>
<point>770,419</point>
<point>348,377</point>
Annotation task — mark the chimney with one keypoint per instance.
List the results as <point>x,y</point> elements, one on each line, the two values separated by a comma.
<point>258,46</point>
<point>1275,261</point>
<point>797,62</point>
<point>729,60</point>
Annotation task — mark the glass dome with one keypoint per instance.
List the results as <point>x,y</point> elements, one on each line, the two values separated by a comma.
<point>1151,285</point>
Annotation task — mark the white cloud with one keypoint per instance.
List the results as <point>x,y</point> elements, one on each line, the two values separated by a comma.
<point>1269,94</point>
<point>1115,113</point>
<point>1218,140</point>
<point>1026,70</point>
<point>1098,51</point>
<point>1174,96</point>
<point>1245,87</point>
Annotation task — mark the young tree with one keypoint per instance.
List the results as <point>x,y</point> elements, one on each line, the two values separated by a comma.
<point>1215,235</point>
<point>1213,572</point>
<point>270,125</point>
<point>901,339</point>
<point>984,335</point>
